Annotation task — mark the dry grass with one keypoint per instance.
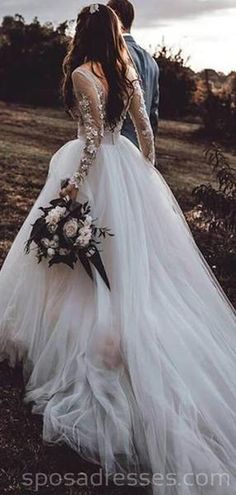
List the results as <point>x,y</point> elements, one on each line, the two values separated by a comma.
<point>28,138</point>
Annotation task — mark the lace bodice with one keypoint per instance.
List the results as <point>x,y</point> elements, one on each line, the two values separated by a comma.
<point>90,111</point>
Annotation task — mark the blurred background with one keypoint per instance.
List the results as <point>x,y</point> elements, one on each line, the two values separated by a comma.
<point>204,29</point>
<point>191,41</point>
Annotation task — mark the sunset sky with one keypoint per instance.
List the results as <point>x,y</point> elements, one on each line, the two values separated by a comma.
<point>204,29</point>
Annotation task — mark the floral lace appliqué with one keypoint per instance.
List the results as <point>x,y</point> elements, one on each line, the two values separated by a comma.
<point>91,114</point>
<point>141,122</point>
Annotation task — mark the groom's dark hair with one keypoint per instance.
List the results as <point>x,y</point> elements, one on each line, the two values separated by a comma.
<point>124,10</point>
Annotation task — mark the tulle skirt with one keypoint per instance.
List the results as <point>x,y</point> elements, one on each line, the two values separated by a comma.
<point>142,378</point>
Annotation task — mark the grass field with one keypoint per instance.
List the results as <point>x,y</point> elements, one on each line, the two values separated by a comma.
<point>28,138</point>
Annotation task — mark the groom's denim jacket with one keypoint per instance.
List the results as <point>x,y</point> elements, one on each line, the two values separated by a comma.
<point>148,71</point>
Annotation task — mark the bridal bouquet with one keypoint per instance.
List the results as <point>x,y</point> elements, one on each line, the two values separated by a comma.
<point>66,233</point>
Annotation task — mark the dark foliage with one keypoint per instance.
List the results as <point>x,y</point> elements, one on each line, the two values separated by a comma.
<point>218,111</point>
<point>216,213</point>
<point>219,201</point>
<point>219,117</point>
<point>31,58</point>
<point>177,84</point>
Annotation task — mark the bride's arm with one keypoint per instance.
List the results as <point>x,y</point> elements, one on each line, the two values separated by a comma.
<point>139,116</point>
<point>90,108</point>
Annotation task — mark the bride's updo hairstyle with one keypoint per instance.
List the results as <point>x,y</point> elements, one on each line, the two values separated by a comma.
<point>98,38</point>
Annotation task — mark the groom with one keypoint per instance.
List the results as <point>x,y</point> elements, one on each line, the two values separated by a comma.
<point>145,65</point>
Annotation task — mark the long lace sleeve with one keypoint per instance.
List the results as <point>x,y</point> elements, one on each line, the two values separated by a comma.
<point>89,105</point>
<point>139,116</point>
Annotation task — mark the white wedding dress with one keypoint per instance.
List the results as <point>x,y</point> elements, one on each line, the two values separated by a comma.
<point>142,378</point>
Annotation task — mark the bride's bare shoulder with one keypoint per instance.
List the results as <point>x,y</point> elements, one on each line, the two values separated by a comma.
<point>80,67</point>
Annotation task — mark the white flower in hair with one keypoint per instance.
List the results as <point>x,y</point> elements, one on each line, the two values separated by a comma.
<point>94,8</point>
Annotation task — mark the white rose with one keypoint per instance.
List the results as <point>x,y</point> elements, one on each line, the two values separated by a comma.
<point>51,218</point>
<point>83,240</point>
<point>59,211</point>
<point>85,231</point>
<point>70,228</point>
<point>51,252</point>
<point>55,242</point>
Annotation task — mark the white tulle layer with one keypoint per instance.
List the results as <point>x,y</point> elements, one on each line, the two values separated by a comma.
<point>142,378</point>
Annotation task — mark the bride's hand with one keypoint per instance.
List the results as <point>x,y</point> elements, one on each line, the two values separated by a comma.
<point>70,190</point>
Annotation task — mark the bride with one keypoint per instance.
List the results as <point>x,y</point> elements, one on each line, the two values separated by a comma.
<point>142,378</point>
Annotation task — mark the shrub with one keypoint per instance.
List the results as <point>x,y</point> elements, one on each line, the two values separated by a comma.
<point>219,202</point>
<point>218,111</point>
<point>177,84</point>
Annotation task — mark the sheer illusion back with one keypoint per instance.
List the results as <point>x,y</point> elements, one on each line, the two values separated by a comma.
<point>90,109</point>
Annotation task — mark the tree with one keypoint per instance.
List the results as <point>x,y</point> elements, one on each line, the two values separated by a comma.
<point>177,84</point>
<point>31,58</point>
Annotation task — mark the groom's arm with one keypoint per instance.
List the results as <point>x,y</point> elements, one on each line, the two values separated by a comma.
<point>154,113</point>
